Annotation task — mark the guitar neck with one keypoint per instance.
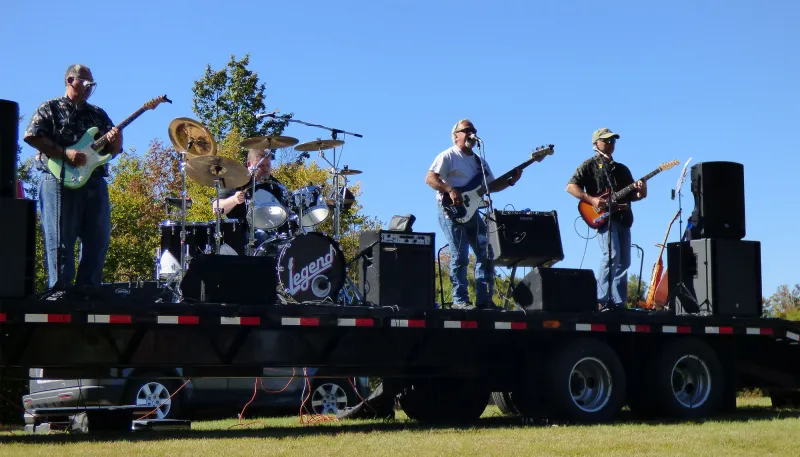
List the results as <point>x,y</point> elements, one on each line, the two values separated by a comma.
<point>510,172</point>
<point>620,194</point>
<point>103,141</point>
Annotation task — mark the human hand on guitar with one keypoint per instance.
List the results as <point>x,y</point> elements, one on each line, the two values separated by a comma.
<point>455,197</point>
<point>598,202</point>
<point>75,157</point>
<point>518,174</point>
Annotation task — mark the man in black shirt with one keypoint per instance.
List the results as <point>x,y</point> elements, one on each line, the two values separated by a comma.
<point>232,201</point>
<point>590,180</point>
<point>84,212</point>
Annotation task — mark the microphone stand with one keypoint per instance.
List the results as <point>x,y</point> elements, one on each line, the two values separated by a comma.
<point>609,208</point>
<point>681,285</point>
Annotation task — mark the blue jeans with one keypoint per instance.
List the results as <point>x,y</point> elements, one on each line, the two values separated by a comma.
<point>620,261</point>
<point>461,237</point>
<point>86,215</point>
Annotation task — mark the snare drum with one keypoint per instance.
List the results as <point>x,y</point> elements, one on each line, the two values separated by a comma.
<point>233,239</point>
<point>197,241</point>
<point>311,267</point>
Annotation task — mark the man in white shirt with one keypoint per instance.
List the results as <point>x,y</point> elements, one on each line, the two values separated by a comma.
<point>453,168</point>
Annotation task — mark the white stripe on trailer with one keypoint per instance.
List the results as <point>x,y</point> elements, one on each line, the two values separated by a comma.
<point>167,319</point>
<point>36,318</point>
<point>583,327</point>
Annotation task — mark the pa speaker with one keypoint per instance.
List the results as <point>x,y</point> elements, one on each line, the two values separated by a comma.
<point>399,268</point>
<point>9,125</point>
<point>231,279</point>
<point>524,238</point>
<point>18,251</point>
<point>556,290</point>
<point>716,276</point>
<point>718,189</point>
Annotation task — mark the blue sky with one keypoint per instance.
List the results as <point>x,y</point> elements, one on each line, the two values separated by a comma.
<point>710,80</point>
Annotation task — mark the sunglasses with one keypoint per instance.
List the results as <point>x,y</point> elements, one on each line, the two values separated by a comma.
<point>467,131</point>
<point>611,140</point>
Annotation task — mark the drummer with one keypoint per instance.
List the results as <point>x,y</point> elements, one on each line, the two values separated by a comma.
<point>232,201</point>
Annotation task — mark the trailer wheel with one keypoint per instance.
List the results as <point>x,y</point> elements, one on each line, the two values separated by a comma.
<point>445,401</point>
<point>585,382</point>
<point>689,380</point>
<point>505,403</point>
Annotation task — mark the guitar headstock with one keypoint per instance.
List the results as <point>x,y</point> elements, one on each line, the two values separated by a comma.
<point>543,151</point>
<point>667,165</point>
<point>156,101</point>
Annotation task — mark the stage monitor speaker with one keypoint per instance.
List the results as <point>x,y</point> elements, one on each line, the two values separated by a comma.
<point>564,290</point>
<point>525,238</point>
<point>231,279</point>
<point>718,189</point>
<point>9,127</point>
<point>18,250</point>
<point>400,268</point>
<point>722,277</point>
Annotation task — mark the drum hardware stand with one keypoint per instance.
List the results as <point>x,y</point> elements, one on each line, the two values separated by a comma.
<point>251,244</point>
<point>218,214</point>
<point>185,257</point>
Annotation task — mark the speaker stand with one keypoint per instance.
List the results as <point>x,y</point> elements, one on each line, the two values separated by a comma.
<point>680,286</point>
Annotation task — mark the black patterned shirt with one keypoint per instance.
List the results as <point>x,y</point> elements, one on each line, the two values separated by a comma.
<point>56,120</point>
<point>592,180</point>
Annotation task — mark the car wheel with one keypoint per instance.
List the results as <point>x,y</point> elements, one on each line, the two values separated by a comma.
<point>154,394</point>
<point>329,396</point>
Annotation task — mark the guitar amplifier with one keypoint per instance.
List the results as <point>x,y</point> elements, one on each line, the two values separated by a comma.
<point>525,238</point>
<point>400,268</point>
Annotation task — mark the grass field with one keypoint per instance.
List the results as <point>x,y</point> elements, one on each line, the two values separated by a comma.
<point>755,429</point>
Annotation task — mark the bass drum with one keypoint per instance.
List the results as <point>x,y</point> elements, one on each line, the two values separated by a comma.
<point>311,267</point>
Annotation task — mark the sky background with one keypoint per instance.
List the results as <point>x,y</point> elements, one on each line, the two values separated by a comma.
<point>706,80</point>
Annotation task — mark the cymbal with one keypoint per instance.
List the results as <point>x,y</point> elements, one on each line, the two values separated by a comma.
<point>204,169</point>
<point>347,172</point>
<point>182,130</point>
<point>319,145</point>
<point>269,142</point>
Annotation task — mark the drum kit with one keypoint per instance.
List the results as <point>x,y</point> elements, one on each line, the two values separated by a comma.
<point>310,265</point>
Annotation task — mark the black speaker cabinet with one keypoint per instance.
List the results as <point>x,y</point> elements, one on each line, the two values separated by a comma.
<point>18,251</point>
<point>231,279</point>
<point>400,268</point>
<point>9,128</point>
<point>556,290</point>
<point>525,238</point>
<point>718,189</point>
<point>721,277</point>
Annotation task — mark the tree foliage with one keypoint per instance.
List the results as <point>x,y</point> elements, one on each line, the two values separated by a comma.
<point>229,99</point>
<point>784,303</point>
<point>635,283</point>
<point>444,286</point>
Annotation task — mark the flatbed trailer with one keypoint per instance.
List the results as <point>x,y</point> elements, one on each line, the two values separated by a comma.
<point>444,363</point>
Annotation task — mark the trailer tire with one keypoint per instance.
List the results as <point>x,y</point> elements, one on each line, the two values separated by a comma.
<point>584,382</point>
<point>688,380</point>
<point>505,403</point>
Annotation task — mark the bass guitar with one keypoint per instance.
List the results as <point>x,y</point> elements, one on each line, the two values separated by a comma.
<point>472,193</point>
<point>595,217</point>
<point>650,301</point>
<point>74,176</point>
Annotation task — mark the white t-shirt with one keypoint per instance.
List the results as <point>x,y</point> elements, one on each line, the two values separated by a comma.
<point>457,169</point>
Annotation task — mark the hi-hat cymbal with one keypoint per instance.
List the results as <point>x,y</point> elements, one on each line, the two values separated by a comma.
<point>204,169</point>
<point>269,142</point>
<point>347,172</point>
<point>319,145</point>
<point>183,130</point>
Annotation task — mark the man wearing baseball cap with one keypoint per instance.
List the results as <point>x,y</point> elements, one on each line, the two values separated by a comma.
<point>589,184</point>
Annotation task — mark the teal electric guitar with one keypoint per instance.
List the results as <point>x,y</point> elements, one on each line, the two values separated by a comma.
<point>76,177</point>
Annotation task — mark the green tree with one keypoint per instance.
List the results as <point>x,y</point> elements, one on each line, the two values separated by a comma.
<point>229,99</point>
<point>784,303</point>
<point>444,286</point>
<point>635,283</point>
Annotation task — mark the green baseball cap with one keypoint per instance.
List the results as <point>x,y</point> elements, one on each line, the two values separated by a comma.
<point>603,133</point>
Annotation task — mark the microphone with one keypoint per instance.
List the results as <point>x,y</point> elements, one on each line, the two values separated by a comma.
<point>88,84</point>
<point>474,138</point>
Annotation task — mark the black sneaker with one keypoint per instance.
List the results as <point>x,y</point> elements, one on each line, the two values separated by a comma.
<point>462,306</point>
